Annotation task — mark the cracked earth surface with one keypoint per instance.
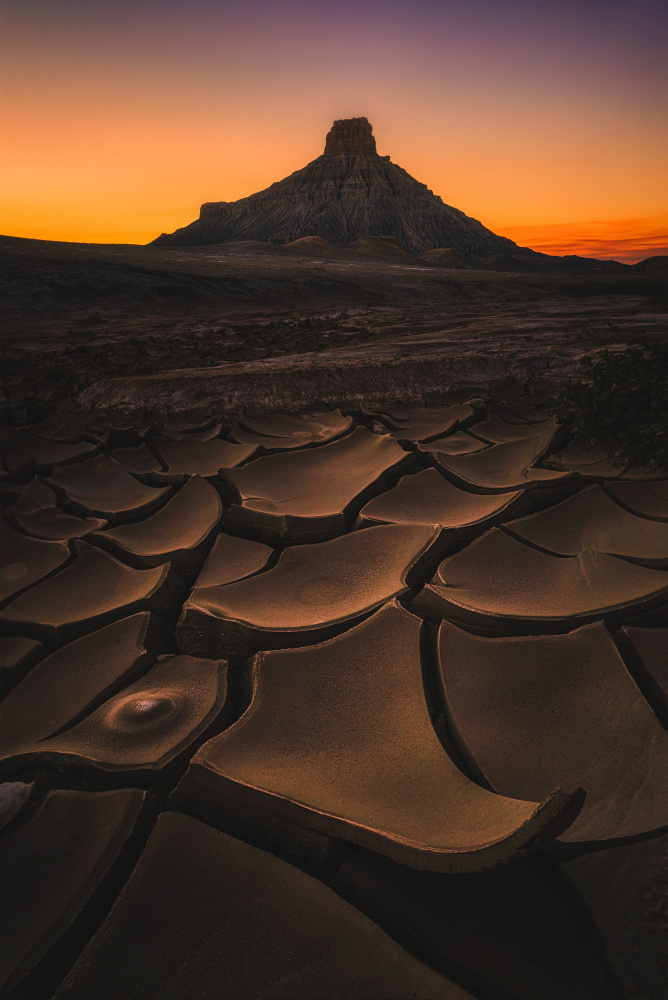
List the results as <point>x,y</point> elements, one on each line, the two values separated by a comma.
<point>353,703</point>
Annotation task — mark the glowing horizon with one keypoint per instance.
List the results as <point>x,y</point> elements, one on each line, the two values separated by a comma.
<point>121,119</point>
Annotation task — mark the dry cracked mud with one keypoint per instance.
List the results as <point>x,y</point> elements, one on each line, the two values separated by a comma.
<point>359,703</point>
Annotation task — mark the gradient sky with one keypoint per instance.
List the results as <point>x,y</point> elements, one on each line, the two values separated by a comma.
<point>545,119</point>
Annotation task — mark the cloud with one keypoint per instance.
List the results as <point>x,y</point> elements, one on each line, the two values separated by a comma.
<point>627,240</point>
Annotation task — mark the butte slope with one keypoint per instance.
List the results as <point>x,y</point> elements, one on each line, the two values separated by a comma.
<point>348,193</point>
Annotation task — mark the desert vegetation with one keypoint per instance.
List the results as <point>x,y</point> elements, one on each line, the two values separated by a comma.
<point>622,399</point>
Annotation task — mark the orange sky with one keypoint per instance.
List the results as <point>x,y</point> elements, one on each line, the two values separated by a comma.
<point>120,119</point>
<point>627,240</point>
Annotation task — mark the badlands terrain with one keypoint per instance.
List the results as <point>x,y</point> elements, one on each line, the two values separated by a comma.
<point>332,666</point>
<point>75,314</point>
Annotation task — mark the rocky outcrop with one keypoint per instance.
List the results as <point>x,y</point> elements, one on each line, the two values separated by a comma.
<point>347,194</point>
<point>350,136</point>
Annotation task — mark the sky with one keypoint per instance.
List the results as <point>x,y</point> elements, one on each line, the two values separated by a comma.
<point>547,120</point>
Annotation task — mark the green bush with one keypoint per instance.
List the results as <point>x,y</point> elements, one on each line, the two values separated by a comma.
<point>624,398</point>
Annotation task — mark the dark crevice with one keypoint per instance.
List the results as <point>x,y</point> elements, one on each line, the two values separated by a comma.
<point>266,449</point>
<point>624,506</point>
<point>534,545</point>
<point>564,851</point>
<point>238,641</point>
<point>138,516</point>
<point>439,712</point>
<point>394,925</point>
<point>649,686</point>
<point>50,971</point>
<point>10,681</point>
<point>282,838</point>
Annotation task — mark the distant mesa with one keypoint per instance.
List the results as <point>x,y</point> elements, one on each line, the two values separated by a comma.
<point>347,195</point>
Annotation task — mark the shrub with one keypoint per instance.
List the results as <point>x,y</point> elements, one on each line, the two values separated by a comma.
<point>623,397</point>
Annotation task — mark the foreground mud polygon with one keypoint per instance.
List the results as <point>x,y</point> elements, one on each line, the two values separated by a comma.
<point>371,697</point>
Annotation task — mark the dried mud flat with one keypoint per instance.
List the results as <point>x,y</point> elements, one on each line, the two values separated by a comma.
<point>367,699</point>
<point>338,704</point>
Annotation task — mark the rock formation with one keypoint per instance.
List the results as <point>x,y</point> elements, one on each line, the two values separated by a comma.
<point>348,193</point>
